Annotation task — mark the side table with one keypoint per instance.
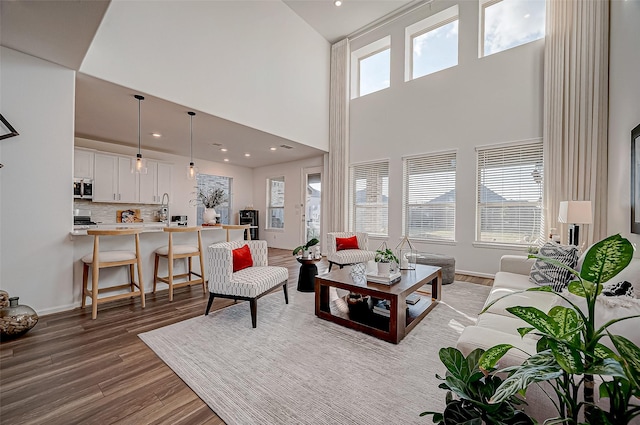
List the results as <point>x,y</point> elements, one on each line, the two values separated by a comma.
<point>308,272</point>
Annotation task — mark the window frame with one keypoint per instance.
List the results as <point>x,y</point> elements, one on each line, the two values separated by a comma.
<point>366,52</point>
<point>451,155</point>
<point>532,145</point>
<point>353,207</point>
<point>270,206</point>
<point>212,181</point>
<point>422,27</point>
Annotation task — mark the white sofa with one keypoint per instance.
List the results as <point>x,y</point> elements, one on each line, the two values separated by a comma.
<point>498,326</point>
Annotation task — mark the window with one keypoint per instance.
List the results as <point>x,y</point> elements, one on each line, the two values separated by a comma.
<point>275,214</point>
<point>205,183</point>
<point>432,44</point>
<point>369,198</point>
<point>429,205</point>
<point>509,193</point>
<point>371,68</point>
<point>510,23</point>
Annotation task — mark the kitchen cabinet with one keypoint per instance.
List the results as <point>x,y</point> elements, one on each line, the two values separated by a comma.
<point>113,180</point>
<point>155,183</point>
<point>82,164</point>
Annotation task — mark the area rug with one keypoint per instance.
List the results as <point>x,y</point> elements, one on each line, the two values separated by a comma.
<point>295,368</point>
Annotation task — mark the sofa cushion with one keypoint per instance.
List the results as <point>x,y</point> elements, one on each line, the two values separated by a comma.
<point>506,283</point>
<point>547,274</point>
<point>242,258</point>
<point>506,324</point>
<point>473,337</point>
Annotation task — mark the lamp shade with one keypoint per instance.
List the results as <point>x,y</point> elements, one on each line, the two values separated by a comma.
<point>575,212</point>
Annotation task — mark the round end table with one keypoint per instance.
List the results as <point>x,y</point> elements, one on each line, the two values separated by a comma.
<point>308,272</point>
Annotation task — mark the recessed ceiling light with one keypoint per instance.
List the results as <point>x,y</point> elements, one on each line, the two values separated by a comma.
<point>226,160</point>
<point>247,154</point>
<point>223,149</point>
<point>156,134</point>
<point>527,16</point>
<point>338,2</point>
<point>273,148</point>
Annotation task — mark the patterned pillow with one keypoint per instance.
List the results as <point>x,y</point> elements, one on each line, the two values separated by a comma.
<point>619,289</point>
<point>546,274</point>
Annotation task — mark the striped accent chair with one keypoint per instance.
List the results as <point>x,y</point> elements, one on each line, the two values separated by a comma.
<point>247,284</point>
<point>346,257</point>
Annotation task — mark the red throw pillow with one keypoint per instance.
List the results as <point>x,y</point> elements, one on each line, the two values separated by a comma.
<point>347,243</point>
<point>242,258</point>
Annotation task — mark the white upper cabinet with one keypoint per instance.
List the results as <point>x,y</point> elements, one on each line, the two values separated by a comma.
<point>155,183</point>
<point>113,180</point>
<point>82,164</point>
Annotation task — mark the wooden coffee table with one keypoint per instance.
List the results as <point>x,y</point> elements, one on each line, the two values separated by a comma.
<point>401,320</point>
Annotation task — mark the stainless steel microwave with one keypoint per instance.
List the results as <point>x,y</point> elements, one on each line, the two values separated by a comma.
<point>83,188</point>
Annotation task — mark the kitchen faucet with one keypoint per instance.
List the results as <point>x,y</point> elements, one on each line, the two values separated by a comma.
<point>164,209</point>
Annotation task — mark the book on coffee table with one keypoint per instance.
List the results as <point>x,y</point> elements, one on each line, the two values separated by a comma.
<point>385,280</point>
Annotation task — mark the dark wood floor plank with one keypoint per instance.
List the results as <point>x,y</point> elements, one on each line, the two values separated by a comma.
<point>70,369</point>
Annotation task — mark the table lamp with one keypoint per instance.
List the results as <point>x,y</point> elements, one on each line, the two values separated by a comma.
<point>575,213</point>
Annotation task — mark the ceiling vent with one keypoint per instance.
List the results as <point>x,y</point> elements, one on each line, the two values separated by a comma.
<point>286,146</point>
<point>216,144</point>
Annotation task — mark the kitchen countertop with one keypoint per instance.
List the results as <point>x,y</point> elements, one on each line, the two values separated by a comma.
<point>81,230</point>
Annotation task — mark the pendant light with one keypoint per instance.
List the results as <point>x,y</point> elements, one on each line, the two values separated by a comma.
<point>140,165</point>
<point>192,171</point>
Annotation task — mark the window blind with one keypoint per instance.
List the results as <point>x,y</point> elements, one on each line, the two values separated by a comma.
<point>429,202</point>
<point>369,198</point>
<point>509,193</point>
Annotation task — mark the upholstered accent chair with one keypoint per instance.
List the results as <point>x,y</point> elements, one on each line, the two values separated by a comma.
<point>247,284</point>
<point>345,257</point>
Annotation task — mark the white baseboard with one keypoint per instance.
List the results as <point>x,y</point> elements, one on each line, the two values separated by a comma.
<point>58,309</point>
<point>477,274</point>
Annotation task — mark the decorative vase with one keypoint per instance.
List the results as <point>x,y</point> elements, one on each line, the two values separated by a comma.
<point>16,319</point>
<point>384,269</point>
<point>209,216</point>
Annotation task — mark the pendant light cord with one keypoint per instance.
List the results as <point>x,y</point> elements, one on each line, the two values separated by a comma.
<point>140,98</point>
<point>191,114</point>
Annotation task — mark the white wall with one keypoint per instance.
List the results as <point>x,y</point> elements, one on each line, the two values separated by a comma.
<point>624,112</point>
<point>35,183</point>
<point>481,101</point>
<point>252,62</point>
<point>292,234</point>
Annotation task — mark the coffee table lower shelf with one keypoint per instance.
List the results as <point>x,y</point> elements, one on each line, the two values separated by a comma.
<point>392,329</point>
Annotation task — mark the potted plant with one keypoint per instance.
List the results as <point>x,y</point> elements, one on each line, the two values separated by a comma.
<point>385,259</point>
<point>306,253</point>
<point>210,199</point>
<point>570,352</point>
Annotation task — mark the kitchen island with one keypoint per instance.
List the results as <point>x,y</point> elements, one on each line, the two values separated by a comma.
<point>151,238</point>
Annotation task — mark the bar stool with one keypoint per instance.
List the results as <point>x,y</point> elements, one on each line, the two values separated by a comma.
<point>99,260</point>
<point>173,252</point>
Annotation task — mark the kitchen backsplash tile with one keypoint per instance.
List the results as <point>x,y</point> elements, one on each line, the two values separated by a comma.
<point>106,213</point>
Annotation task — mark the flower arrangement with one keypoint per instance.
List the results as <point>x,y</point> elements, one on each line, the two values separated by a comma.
<point>211,198</point>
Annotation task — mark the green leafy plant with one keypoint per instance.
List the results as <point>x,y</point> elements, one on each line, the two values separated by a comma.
<point>306,246</point>
<point>386,256</point>
<point>569,351</point>
<point>469,390</point>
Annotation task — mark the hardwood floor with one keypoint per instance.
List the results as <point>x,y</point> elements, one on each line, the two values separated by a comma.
<point>70,369</point>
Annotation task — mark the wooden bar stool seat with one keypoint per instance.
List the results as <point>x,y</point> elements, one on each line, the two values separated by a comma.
<point>97,260</point>
<point>174,252</point>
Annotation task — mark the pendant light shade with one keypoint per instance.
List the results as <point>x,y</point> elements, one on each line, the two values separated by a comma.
<point>140,165</point>
<point>192,170</point>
